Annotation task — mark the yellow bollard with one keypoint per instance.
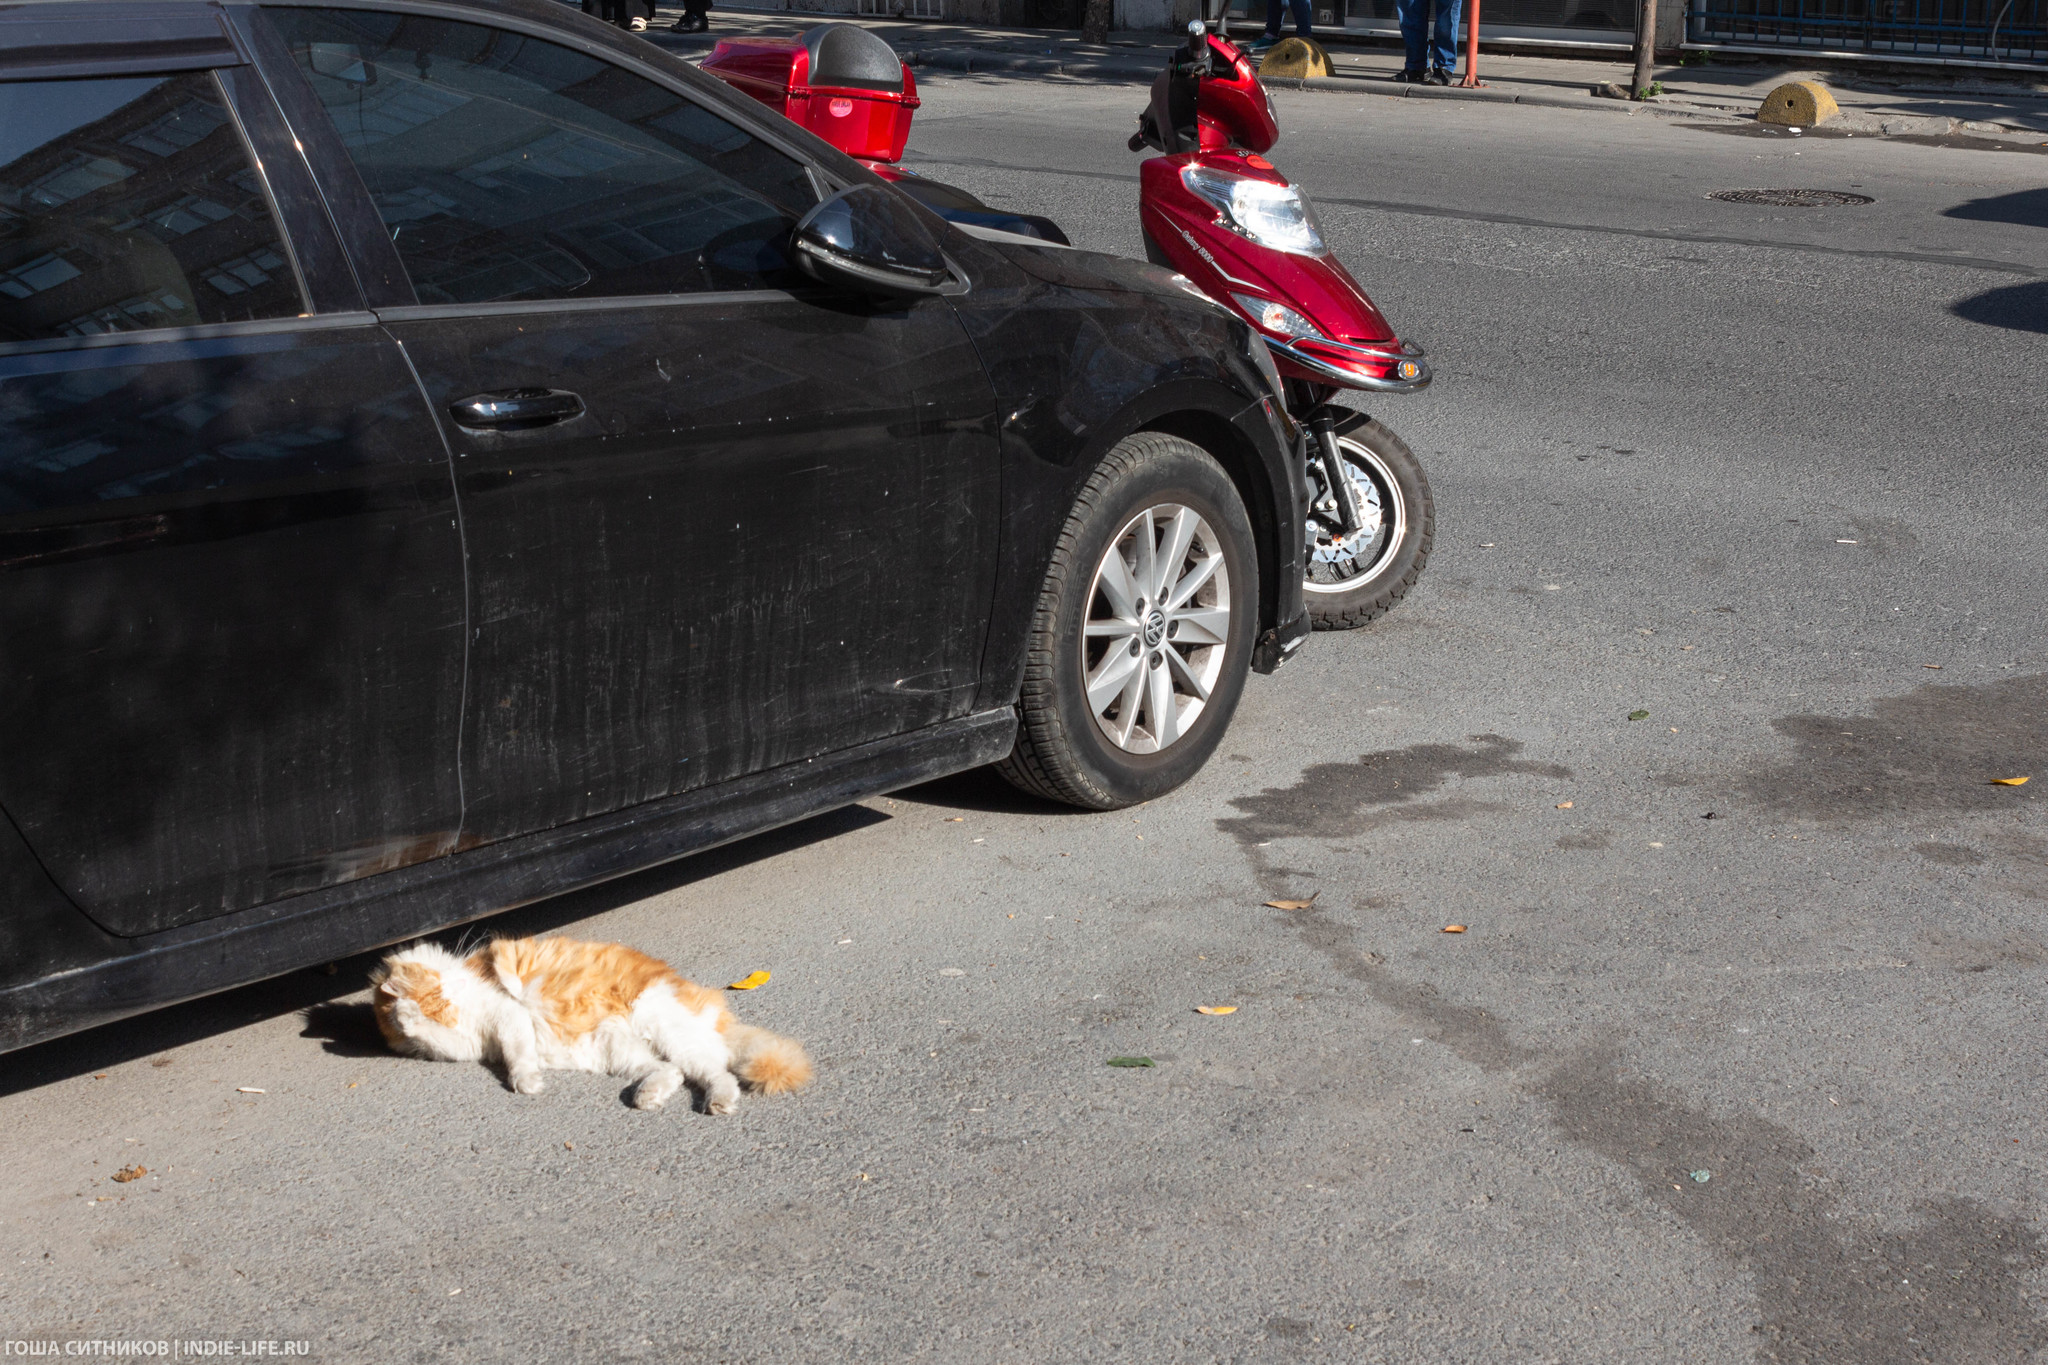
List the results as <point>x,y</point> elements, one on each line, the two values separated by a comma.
<point>1800,104</point>
<point>1295,59</point>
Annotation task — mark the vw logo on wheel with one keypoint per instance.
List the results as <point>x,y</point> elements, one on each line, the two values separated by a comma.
<point>1155,628</point>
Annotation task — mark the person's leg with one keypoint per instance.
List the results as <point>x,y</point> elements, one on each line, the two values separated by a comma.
<point>1414,19</point>
<point>1444,56</point>
<point>1302,28</point>
<point>1273,17</point>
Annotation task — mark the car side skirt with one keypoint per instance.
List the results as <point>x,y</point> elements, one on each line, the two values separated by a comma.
<point>269,940</point>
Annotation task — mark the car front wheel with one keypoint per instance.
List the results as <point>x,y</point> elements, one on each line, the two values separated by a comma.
<point>1142,633</point>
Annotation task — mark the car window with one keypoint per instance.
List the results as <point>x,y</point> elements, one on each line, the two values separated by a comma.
<point>506,167</point>
<point>128,203</point>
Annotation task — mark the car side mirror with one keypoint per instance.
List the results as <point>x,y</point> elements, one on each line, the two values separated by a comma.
<point>868,239</point>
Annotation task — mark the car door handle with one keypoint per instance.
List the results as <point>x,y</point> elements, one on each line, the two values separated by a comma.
<point>515,409</point>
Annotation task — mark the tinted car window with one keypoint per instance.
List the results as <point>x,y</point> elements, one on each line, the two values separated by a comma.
<point>506,167</point>
<point>130,203</point>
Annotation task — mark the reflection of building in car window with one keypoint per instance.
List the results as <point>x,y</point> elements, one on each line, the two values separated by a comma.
<point>511,168</point>
<point>130,203</point>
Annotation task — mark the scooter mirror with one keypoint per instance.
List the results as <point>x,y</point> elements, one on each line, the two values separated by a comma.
<point>867,239</point>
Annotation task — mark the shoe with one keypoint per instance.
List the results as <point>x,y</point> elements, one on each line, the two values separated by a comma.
<point>638,25</point>
<point>1437,76</point>
<point>1410,77</point>
<point>1261,46</point>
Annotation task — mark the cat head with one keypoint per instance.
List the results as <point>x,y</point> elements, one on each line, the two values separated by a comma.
<point>411,994</point>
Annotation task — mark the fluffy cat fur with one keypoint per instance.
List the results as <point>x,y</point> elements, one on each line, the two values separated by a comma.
<point>537,1004</point>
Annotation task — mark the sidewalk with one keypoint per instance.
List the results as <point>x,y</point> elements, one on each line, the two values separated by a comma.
<point>1921,104</point>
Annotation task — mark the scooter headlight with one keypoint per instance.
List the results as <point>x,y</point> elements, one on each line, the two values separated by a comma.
<point>1276,216</point>
<point>1276,318</point>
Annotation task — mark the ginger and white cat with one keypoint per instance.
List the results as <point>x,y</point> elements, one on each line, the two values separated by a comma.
<point>537,1004</point>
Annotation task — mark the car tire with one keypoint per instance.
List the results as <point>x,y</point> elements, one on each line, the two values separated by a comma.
<point>1387,473</point>
<point>1189,652</point>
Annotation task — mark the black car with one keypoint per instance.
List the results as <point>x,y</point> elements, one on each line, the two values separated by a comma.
<point>451,454</point>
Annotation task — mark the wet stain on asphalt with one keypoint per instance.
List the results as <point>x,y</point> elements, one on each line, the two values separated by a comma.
<point>1331,800</point>
<point>1830,1287</point>
<point>1949,855</point>
<point>1933,750</point>
<point>1471,1032</point>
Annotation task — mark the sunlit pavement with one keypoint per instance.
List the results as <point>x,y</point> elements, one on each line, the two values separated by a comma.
<point>1737,1058</point>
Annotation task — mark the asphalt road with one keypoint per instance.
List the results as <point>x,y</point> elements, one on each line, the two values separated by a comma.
<point>1740,1057</point>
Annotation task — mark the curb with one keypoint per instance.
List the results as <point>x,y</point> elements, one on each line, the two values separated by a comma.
<point>969,59</point>
<point>1354,85</point>
<point>975,59</point>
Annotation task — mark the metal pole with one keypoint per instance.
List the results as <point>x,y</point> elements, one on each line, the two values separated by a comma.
<point>1471,81</point>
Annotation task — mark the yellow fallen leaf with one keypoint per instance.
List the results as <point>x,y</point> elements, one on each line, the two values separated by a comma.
<point>1454,928</point>
<point>128,1173</point>
<point>955,819</point>
<point>749,981</point>
<point>1294,905</point>
<point>2008,781</point>
<point>1564,805</point>
<point>1215,1009</point>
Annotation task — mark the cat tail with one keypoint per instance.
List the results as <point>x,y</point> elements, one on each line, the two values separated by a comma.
<point>766,1061</point>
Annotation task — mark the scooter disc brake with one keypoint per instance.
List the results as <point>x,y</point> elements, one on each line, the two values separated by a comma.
<point>1327,543</point>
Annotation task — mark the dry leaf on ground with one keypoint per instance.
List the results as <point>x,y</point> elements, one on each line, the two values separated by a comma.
<point>128,1173</point>
<point>1294,905</point>
<point>1215,1009</point>
<point>749,981</point>
<point>1564,805</point>
<point>1454,928</point>
<point>2008,781</point>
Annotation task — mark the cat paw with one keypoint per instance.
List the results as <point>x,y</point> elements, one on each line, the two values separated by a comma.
<point>657,1089</point>
<point>530,1084</point>
<point>723,1096</point>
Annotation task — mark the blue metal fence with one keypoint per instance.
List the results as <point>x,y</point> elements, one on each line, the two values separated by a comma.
<point>1966,30</point>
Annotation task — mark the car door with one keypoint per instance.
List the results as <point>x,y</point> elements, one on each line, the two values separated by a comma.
<point>718,519</point>
<point>231,594</point>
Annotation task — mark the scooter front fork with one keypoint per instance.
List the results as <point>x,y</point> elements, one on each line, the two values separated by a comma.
<point>1322,431</point>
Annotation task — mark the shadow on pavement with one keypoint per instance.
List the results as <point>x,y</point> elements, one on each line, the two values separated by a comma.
<point>313,991</point>
<point>2028,208</point>
<point>2016,307</point>
<point>982,789</point>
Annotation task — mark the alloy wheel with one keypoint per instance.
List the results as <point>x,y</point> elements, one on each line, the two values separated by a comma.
<point>1157,626</point>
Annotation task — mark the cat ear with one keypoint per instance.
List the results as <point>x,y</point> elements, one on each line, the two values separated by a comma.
<point>387,988</point>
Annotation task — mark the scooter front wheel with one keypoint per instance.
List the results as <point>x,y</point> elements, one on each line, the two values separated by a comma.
<point>1354,579</point>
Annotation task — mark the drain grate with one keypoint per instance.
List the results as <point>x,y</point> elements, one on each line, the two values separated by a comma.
<point>1793,199</point>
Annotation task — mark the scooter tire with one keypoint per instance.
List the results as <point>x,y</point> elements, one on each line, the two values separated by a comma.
<point>1064,751</point>
<point>1349,607</point>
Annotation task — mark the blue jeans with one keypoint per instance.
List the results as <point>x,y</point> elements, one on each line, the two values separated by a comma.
<point>1300,8</point>
<point>1442,54</point>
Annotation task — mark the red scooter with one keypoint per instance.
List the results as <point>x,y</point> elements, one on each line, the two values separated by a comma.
<point>1215,210</point>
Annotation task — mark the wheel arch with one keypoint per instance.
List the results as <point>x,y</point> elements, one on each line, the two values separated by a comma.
<point>1232,449</point>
